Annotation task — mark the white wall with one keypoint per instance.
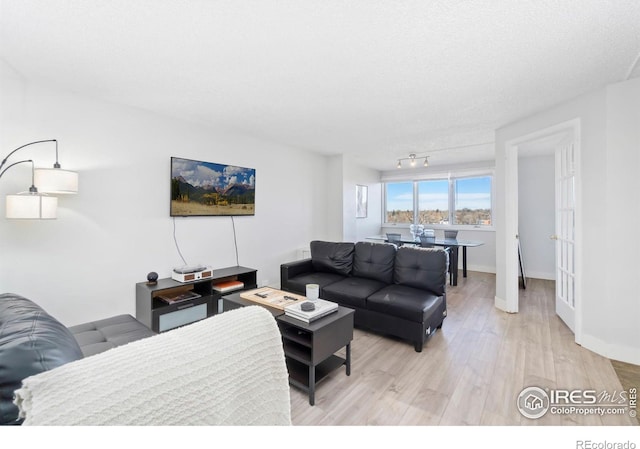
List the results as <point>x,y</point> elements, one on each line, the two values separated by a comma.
<point>358,229</point>
<point>536,215</point>
<point>619,329</point>
<point>335,208</point>
<point>85,264</point>
<point>607,256</point>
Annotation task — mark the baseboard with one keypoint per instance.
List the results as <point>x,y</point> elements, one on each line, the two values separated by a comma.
<point>530,274</point>
<point>480,268</point>
<point>501,304</point>
<point>621,353</point>
<point>540,275</point>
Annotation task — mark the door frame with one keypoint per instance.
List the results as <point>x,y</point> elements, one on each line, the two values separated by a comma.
<point>512,294</point>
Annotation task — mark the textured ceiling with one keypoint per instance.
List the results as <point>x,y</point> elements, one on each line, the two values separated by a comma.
<point>376,79</point>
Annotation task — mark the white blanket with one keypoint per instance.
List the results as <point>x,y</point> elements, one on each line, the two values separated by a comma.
<point>225,370</point>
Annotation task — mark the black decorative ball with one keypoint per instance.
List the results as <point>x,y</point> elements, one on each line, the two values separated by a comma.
<point>308,306</point>
<point>152,278</point>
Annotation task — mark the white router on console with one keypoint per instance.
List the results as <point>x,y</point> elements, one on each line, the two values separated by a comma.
<point>189,274</point>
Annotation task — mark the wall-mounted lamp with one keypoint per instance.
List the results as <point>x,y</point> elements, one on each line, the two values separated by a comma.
<point>412,160</point>
<point>34,204</point>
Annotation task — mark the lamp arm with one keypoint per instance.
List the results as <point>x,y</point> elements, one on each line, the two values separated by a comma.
<point>33,188</point>
<point>56,165</point>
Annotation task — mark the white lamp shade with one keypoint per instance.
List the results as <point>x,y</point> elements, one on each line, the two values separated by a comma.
<point>56,180</point>
<point>31,206</point>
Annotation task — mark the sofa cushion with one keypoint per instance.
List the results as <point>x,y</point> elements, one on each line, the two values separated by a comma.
<point>332,257</point>
<point>352,291</point>
<point>299,283</point>
<point>405,302</point>
<point>98,336</point>
<point>31,341</point>
<point>422,268</point>
<point>374,261</point>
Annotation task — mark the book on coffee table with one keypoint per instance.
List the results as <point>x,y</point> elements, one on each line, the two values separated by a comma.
<point>322,308</point>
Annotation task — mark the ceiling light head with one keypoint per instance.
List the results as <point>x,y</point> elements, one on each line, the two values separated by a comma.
<point>412,157</point>
<point>426,161</point>
<point>399,164</point>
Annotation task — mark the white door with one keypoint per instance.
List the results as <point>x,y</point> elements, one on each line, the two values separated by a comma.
<point>565,234</point>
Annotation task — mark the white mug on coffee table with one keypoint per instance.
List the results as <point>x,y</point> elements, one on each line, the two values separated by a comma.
<point>313,292</point>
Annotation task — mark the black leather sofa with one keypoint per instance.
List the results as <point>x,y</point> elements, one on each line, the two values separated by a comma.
<point>32,341</point>
<point>395,291</point>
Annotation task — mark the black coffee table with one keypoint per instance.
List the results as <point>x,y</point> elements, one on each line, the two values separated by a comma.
<point>309,348</point>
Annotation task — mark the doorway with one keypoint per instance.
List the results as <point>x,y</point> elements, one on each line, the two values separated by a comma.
<point>563,142</point>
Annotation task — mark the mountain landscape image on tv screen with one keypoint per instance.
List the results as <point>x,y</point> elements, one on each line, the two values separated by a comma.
<point>208,189</point>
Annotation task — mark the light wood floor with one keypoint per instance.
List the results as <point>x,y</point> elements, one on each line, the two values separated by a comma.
<point>629,376</point>
<point>469,373</point>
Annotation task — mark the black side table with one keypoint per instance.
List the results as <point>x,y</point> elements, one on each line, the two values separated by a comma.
<point>309,347</point>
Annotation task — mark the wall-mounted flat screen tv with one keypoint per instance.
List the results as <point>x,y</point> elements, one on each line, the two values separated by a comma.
<point>208,189</point>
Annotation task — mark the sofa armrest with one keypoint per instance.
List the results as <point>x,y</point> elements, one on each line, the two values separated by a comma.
<point>290,270</point>
<point>31,341</point>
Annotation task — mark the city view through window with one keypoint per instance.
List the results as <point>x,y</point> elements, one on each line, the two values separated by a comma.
<point>456,201</point>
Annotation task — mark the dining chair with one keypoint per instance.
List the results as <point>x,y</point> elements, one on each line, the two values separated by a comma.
<point>426,241</point>
<point>453,235</point>
<point>427,238</point>
<point>394,238</point>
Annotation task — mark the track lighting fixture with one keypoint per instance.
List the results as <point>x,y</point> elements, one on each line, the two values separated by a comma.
<point>412,160</point>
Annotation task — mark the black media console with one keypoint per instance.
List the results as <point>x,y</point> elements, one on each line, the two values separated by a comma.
<point>159,315</point>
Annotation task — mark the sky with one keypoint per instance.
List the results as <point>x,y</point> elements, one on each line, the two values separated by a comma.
<point>472,193</point>
<point>199,174</point>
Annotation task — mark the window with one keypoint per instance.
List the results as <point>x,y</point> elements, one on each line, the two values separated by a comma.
<point>454,201</point>
<point>473,201</point>
<point>433,202</point>
<point>399,202</point>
